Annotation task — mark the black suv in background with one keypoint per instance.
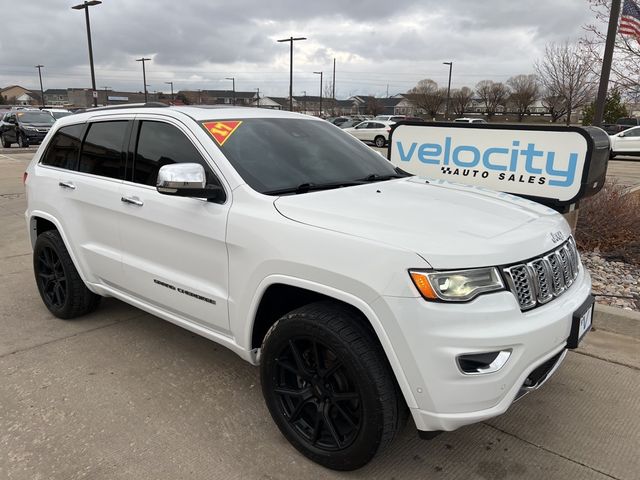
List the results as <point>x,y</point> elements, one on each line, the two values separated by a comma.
<point>25,127</point>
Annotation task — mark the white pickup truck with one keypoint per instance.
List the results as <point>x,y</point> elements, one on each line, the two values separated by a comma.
<point>364,293</point>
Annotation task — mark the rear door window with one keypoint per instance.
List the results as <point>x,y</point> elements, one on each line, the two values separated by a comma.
<point>102,150</point>
<point>64,147</point>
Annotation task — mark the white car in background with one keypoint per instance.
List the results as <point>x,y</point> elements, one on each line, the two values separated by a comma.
<point>469,120</point>
<point>58,112</point>
<point>375,131</point>
<point>626,142</point>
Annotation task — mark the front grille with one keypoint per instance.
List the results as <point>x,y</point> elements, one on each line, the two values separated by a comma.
<point>543,278</point>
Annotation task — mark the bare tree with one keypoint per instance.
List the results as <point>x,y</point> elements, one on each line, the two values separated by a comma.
<point>626,56</point>
<point>556,105</point>
<point>428,97</point>
<point>565,73</point>
<point>373,106</point>
<point>524,92</point>
<point>492,94</point>
<point>461,99</point>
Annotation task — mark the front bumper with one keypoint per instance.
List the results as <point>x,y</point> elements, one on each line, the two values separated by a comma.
<point>35,136</point>
<point>433,335</point>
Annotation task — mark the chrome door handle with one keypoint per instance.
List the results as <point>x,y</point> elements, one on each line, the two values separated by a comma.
<point>68,185</point>
<point>133,201</point>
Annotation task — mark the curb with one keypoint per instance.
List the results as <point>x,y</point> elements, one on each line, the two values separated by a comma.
<point>617,320</point>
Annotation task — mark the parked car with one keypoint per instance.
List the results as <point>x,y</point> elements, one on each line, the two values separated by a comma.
<point>338,120</point>
<point>469,120</point>
<point>375,131</point>
<point>626,142</point>
<point>58,112</point>
<point>25,127</point>
<point>390,118</point>
<point>362,292</point>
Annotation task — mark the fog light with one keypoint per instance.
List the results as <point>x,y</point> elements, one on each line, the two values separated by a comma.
<point>483,363</point>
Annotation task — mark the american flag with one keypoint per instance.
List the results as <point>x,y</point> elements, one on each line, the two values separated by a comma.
<point>630,21</point>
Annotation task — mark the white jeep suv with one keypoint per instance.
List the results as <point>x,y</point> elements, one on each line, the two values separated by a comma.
<point>362,292</point>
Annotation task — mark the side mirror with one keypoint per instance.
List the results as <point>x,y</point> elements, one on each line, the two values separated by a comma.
<point>187,180</point>
<point>621,134</point>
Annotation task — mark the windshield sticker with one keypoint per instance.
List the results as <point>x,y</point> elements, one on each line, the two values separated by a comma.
<point>221,130</point>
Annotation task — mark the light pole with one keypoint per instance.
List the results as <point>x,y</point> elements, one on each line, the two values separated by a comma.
<point>233,79</point>
<point>39,67</point>
<point>170,83</point>
<point>446,108</point>
<point>106,95</point>
<point>144,75</point>
<point>85,6</point>
<point>320,73</point>
<point>291,40</point>
<point>258,99</point>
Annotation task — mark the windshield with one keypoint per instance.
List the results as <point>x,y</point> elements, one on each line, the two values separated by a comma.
<point>58,115</point>
<point>35,117</point>
<point>273,154</point>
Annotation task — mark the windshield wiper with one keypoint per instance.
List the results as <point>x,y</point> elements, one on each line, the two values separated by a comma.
<point>309,187</point>
<point>374,177</point>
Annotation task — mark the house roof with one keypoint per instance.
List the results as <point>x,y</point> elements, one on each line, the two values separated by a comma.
<point>13,86</point>
<point>228,93</point>
<point>55,91</point>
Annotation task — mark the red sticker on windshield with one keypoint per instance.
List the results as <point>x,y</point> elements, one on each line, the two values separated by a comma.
<point>222,130</point>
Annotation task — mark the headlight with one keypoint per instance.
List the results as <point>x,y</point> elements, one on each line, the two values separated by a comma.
<point>456,285</point>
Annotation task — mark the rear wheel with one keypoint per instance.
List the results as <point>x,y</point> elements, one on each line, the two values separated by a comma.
<point>61,288</point>
<point>329,387</point>
<point>5,142</point>
<point>379,141</point>
<point>23,142</point>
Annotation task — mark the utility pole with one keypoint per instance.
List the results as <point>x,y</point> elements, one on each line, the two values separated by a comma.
<point>106,95</point>
<point>291,40</point>
<point>170,83</point>
<point>320,73</point>
<point>304,101</point>
<point>606,62</point>
<point>333,82</point>
<point>387,90</point>
<point>144,76</point>
<point>446,108</point>
<point>85,6</point>
<point>39,67</point>
<point>258,99</point>
<point>199,97</point>
<point>233,79</point>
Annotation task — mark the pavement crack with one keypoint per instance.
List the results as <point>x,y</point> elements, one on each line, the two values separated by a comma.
<point>608,360</point>
<point>551,451</point>
<point>77,334</point>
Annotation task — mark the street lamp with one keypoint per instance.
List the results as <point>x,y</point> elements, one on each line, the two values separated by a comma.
<point>144,75</point>
<point>320,73</point>
<point>446,108</point>
<point>233,79</point>
<point>39,67</point>
<point>170,83</point>
<point>85,6</point>
<point>291,40</point>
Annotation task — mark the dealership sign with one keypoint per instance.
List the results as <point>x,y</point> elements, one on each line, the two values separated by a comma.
<point>544,162</point>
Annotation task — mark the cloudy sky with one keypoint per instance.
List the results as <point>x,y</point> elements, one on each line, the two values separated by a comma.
<point>197,43</point>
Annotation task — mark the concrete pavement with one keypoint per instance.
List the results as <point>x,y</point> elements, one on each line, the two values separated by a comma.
<point>120,394</point>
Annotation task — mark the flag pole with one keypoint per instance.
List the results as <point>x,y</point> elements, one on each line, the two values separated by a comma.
<point>606,61</point>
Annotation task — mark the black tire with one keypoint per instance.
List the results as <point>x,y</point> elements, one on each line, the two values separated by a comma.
<point>320,365</point>
<point>23,142</point>
<point>379,141</point>
<point>612,155</point>
<point>5,143</point>
<point>60,286</point>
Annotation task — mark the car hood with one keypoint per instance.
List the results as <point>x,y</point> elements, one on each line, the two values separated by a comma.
<point>449,225</point>
<point>38,125</point>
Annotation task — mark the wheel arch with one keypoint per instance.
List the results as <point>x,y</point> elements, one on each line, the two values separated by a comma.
<point>302,292</point>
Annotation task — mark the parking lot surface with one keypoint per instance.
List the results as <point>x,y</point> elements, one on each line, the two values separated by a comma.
<point>121,394</point>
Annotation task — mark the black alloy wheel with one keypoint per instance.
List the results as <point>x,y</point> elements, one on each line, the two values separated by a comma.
<point>22,141</point>
<point>51,278</point>
<point>328,385</point>
<point>379,141</point>
<point>316,394</point>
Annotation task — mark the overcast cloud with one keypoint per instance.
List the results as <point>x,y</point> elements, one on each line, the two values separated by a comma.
<point>197,43</point>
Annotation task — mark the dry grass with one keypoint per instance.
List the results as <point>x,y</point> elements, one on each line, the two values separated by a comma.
<point>610,222</point>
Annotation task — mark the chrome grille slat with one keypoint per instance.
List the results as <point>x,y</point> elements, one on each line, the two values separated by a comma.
<point>542,279</point>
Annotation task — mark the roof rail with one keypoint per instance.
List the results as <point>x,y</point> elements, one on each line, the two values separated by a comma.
<point>128,105</point>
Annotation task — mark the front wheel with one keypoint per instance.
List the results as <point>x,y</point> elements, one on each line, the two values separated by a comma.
<point>379,141</point>
<point>612,155</point>
<point>22,141</point>
<point>61,288</point>
<point>5,142</point>
<point>328,386</point>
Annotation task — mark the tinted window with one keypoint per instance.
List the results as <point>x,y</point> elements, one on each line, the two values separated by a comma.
<point>36,117</point>
<point>277,153</point>
<point>102,149</point>
<point>633,132</point>
<point>162,144</point>
<point>64,147</point>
